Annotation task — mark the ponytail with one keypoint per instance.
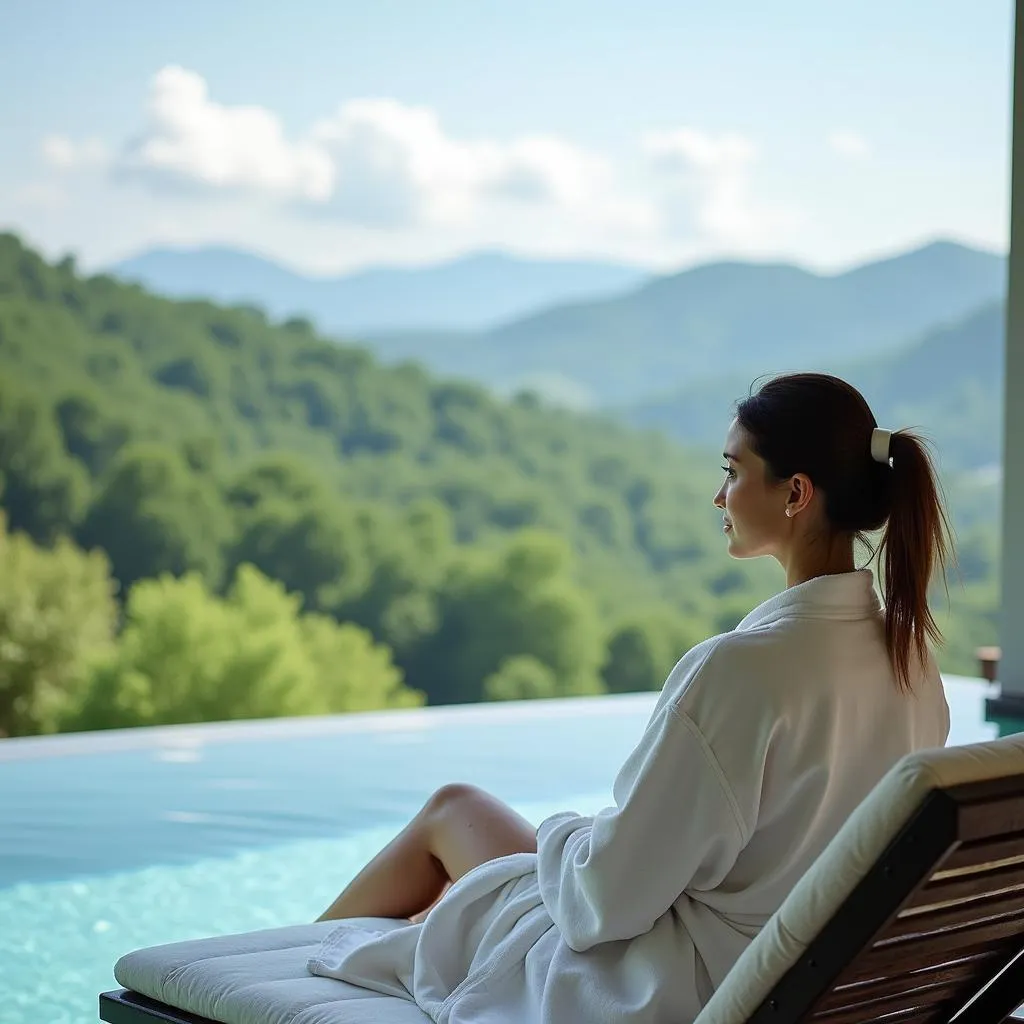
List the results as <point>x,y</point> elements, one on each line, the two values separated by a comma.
<point>915,543</point>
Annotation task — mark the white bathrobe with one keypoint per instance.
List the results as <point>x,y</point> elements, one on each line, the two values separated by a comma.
<point>763,741</point>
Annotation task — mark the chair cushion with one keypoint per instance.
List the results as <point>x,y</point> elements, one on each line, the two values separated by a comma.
<point>846,860</point>
<point>258,977</point>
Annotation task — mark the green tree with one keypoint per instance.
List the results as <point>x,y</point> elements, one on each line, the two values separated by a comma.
<point>89,433</point>
<point>643,648</point>
<point>313,549</point>
<point>43,490</point>
<point>154,515</point>
<point>521,677</point>
<point>186,655</point>
<point>518,601</point>
<point>408,554</point>
<point>277,476</point>
<point>57,614</point>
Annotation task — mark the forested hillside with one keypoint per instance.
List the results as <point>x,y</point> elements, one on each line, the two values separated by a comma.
<point>281,525</point>
<point>493,548</point>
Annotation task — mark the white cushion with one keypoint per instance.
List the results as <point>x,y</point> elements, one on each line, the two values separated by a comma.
<point>845,861</point>
<point>258,978</point>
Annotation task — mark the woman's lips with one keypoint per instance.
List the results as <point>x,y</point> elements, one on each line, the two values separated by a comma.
<point>726,526</point>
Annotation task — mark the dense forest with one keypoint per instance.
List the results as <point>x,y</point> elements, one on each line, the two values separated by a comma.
<point>208,515</point>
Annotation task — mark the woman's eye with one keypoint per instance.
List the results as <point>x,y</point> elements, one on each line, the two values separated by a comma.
<point>728,471</point>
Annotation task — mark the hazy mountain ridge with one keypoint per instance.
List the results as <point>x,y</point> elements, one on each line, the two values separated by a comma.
<point>676,330</point>
<point>471,293</point>
<point>948,382</point>
<point>920,333</point>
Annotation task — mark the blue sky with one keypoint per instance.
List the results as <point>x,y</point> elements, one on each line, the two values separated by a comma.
<point>330,135</point>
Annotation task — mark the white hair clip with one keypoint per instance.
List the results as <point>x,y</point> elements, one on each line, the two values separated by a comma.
<point>880,440</point>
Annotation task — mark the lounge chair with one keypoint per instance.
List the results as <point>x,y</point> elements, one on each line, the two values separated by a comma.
<point>912,915</point>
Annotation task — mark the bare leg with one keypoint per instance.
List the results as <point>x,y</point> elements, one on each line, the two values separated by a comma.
<point>459,828</point>
<point>422,915</point>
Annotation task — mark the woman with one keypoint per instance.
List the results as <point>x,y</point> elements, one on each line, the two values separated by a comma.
<point>763,741</point>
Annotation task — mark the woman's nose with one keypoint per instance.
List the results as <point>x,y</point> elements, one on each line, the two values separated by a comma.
<point>719,499</point>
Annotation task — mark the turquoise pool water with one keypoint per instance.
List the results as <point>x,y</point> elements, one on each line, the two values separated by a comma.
<point>111,841</point>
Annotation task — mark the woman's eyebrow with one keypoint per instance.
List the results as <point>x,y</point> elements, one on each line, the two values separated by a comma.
<point>730,457</point>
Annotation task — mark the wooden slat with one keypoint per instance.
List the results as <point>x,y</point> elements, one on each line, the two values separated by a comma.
<point>984,851</point>
<point>930,1012</point>
<point>906,954</point>
<point>925,995</point>
<point>975,969</point>
<point>938,1014</point>
<point>880,964</point>
<point>998,999</point>
<point>992,817</point>
<point>1002,925</point>
<point>984,881</point>
<point>1002,787</point>
<point>861,941</point>
<point>958,916</point>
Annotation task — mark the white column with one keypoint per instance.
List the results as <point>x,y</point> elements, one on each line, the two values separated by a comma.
<point>1011,633</point>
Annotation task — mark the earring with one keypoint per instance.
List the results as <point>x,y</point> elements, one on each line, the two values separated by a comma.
<point>789,513</point>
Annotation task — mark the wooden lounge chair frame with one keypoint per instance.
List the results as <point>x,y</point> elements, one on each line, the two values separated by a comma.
<point>932,933</point>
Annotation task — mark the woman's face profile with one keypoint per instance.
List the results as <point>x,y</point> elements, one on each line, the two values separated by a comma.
<point>754,507</point>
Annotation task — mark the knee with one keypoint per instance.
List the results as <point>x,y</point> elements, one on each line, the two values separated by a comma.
<point>451,797</point>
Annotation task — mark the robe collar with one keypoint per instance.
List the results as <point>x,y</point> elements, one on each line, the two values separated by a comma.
<point>847,595</point>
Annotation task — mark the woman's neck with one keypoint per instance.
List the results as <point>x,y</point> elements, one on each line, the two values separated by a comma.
<point>811,560</point>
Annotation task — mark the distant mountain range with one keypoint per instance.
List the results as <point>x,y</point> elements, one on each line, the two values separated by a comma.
<point>747,318</point>
<point>948,383</point>
<point>473,293</point>
<point>919,332</point>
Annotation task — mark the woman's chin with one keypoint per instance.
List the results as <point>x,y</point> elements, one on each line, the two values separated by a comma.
<point>733,548</point>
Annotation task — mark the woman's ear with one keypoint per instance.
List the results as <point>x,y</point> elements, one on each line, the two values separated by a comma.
<point>801,490</point>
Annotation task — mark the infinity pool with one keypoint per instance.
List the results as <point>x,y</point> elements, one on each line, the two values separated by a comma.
<point>111,841</point>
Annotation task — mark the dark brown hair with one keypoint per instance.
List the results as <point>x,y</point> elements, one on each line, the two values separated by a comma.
<point>819,425</point>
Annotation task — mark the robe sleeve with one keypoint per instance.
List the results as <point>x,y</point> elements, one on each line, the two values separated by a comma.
<point>675,825</point>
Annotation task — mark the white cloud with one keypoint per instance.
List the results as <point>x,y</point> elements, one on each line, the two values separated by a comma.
<point>849,144</point>
<point>375,162</point>
<point>708,180</point>
<point>64,154</point>
<point>194,143</point>
<point>396,164</point>
<point>551,170</point>
<point>380,177</point>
